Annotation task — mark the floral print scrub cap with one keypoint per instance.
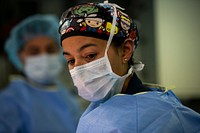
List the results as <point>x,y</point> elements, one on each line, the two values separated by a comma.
<point>95,20</point>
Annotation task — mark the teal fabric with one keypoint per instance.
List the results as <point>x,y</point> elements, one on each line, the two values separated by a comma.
<point>28,109</point>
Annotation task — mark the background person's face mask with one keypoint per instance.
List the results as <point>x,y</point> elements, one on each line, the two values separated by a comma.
<point>43,68</point>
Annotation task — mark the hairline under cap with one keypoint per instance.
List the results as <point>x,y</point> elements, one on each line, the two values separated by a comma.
<point>90,34</point>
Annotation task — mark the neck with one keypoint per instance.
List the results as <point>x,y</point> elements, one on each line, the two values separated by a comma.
<point>50,86</point>
<point>126,82</point>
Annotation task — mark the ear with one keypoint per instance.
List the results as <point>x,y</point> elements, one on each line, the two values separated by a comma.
<point>128,49</point>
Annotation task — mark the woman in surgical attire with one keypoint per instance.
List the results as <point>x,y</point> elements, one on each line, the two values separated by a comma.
<point>98,41</point>
<point>37,102</point>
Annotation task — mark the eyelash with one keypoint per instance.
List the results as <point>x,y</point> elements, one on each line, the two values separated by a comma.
<point>70,62</point>
<point>89,57</point>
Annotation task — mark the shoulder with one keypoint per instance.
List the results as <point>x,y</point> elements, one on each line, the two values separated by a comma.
<point>15,84</point>
<point>14,91</point>
<point>138,104</point>
<point>150,109</point>
<point>143,112</point>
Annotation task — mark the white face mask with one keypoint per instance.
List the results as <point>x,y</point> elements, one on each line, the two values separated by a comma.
<point>95,80</point>
<point>43,68</point>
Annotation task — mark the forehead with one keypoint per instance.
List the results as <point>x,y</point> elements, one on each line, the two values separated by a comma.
<point>75,42</point>
<point>40,41</point>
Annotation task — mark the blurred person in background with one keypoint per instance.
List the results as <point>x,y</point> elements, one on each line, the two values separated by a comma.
<point>98,41</point>
<point>36,101</point>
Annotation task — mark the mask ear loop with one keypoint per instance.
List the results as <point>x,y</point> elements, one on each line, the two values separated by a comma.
<point>113,25</point>
<point>112,29</point>
<point>137,66</point>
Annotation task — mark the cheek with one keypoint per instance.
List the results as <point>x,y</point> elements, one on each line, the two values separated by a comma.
<point>21,56</point>
<point>115,62</point>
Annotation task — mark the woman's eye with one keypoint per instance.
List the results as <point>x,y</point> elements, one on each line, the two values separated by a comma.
<point>70,62</point>
<point>91,57</point>
<point>52,50</point>
<point>33,51</point>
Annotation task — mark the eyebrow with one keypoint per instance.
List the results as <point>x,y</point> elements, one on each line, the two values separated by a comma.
<point>81,48</point>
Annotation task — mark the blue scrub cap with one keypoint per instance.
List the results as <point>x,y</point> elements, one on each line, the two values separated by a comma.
<point>95,20</point>
<point>29,28</point>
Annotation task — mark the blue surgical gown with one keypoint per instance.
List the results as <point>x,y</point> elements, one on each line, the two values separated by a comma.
<point>153,111</point>
<point>29,109</point>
